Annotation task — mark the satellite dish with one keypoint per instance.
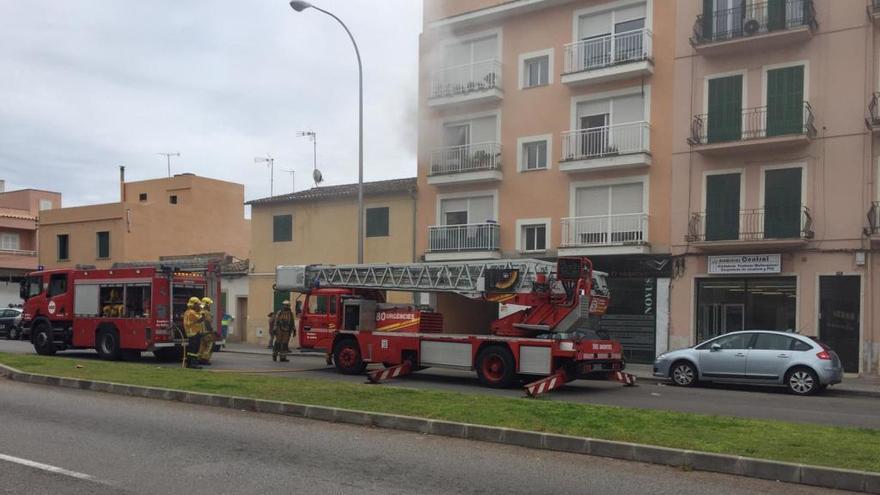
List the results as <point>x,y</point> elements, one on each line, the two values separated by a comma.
<point>316,175</point>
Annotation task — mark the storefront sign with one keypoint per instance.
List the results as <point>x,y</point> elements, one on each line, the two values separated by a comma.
<point>746,263</point>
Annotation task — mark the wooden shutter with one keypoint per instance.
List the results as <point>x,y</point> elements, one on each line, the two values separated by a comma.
<point>775,14</point>
<point>785,101</point>
<point>782,203</point>
<point>708,19</point>
<point>725,109</point>
<point>722,207</point>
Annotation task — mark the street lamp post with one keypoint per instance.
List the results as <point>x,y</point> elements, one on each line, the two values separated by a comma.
<point>299,6</point>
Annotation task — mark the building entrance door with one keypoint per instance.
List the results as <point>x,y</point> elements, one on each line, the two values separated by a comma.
<point>839,312</point>
<point>240,323</point>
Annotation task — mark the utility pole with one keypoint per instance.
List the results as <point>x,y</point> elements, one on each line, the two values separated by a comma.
<point>168,159</point>
<point>271,162</point>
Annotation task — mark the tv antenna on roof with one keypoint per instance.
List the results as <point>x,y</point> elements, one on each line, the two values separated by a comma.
<point>313,137</point>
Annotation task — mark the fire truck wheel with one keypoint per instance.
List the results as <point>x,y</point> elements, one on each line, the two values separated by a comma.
<point>108,345</point>
<point>347,356</point>
<point>169,354</point>
<point>42,339</point>
<point>496,367</point>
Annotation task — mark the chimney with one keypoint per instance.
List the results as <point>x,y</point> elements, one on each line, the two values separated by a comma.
<point>122,183</point>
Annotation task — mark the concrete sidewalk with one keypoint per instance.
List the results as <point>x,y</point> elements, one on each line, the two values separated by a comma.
<point>864,386</point>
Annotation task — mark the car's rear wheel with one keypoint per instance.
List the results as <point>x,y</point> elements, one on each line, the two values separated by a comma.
<point>683,374</point>
<point>802,381</point>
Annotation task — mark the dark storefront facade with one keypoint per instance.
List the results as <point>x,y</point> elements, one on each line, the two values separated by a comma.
<point>638,314</point>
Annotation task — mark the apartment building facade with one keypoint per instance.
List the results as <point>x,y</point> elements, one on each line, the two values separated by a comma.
<point>319,226</point>
<point>19,211</point>
<point>546,130</point>
<point>175,216</point>
<point>775,172</point>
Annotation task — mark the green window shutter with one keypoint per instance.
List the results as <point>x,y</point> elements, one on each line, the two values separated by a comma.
<point>725,109</point>
<point>785,101</point>
<point>776,14</point>
<point>722,207</point>
<point>782,203</point>
<point>377,222</point>
<point>708,19</point>
<point>282,228</point>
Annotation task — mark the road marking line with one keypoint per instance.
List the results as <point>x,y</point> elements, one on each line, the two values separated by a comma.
<point>46,467</point>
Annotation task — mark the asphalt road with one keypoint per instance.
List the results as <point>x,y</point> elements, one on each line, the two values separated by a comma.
<point>722,400</point>
<point>131,445</point>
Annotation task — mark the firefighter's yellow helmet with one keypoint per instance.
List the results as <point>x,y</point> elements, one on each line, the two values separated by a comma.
<point>207,301</point>
<point>193,301</point>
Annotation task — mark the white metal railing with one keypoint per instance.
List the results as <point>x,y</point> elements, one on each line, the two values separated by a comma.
<point>466,237</point>
<point>597,142</point>
<point>605,51</point>
<point>466,158</point>
<point>18,252</point>
<point>605,230</point>
<point>463,79</point>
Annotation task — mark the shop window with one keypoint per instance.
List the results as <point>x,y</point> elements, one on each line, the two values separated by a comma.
<point>729,305</point>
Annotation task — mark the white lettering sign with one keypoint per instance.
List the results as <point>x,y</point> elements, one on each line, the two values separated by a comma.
<point>745,263</point>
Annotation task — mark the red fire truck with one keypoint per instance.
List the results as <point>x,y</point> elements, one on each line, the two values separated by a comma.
<point>119,312</point>
<point>343,311</point>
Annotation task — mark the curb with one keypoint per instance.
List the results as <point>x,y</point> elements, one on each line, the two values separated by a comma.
<point>699,461</point>
<point>831,392</point>
<point>267,353</point>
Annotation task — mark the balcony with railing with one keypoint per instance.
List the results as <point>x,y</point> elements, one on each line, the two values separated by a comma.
<point>873,217</point>
<point>754,24</point>
<point>467,83</point>
<point>602,231</point>
<point>751,129</point>
<point>606,58</point>
<point>606,147</point>
<point>472,240</point>
<point>759,227</point>
<point>469,163</point>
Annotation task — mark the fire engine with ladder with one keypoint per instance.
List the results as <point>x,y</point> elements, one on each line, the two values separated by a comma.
<point>550,340</point>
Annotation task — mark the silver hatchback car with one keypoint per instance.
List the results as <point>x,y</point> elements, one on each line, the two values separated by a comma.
<point>760,357</point>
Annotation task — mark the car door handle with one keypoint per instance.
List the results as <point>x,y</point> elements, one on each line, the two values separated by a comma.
<point>782,356</point>
<point>740,354</point>
<point>307,328</point>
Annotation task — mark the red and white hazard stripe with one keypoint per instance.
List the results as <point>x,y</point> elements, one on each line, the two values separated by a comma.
<point>388,373</point>
<point>624,378</point>
<point>545,385</point>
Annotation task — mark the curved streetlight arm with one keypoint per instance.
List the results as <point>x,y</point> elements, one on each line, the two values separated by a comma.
<point>299,6</point>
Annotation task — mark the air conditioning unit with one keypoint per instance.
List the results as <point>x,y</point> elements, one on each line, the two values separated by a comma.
<point>751,27</point>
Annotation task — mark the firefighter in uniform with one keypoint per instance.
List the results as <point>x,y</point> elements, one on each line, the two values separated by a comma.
<point>193,326</point>
<point>283,329</point>
<point>206,345</point>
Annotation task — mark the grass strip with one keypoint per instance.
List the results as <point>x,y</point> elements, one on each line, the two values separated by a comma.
<point>840,447</point>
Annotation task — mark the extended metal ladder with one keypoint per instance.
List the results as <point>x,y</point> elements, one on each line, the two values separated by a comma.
<point>467,278</point>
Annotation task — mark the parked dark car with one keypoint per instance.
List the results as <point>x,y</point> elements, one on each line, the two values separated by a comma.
<point>10,323</point>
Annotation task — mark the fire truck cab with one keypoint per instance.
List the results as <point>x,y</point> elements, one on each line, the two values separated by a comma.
<point>119,312</point>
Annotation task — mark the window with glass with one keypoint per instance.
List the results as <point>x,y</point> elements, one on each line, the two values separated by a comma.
<point>610,126</point>
<point>534,155</point>
<point>536,71</point>
<point>10,241</point>
<point>45,204</point>
<point>63,247</point>
<point>57,284</point>
<point>613,36</point>
<point>733,304</point>
<point>610,214</point>
<point>103,244</point>
<point>322,305</point>
<point>534,237</point>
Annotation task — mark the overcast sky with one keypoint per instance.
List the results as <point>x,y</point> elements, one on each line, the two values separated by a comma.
<point>88,85</point>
